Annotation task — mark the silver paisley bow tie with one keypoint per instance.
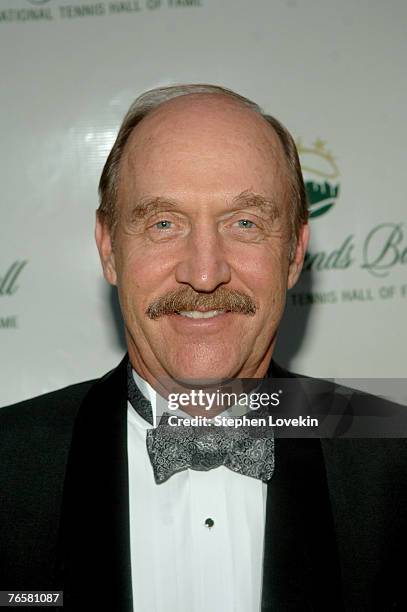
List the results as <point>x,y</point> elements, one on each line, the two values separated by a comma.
<point>247,450</point>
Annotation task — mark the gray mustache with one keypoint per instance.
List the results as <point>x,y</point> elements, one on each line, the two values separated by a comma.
<point>188,299</point>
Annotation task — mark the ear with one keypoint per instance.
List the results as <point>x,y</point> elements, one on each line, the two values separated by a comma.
<point>104,243</point>
<point>295,267</point>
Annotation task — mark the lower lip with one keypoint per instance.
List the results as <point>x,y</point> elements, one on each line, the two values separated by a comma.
<point>188,323</point>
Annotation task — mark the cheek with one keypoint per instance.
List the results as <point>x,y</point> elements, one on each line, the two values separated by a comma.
<point>141,274</point>
<point>264,271</point>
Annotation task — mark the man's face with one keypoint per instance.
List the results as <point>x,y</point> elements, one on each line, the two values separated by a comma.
<point>201,249</point>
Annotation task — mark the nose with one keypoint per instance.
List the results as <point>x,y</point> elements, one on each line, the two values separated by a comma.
<point>203,265</point>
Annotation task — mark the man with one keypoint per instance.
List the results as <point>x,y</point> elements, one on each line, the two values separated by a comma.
<point>202,227</point>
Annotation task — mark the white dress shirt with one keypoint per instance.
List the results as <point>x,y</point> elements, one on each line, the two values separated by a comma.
<point>179,564</point>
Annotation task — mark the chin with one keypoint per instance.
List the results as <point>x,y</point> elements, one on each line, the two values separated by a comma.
<point>205,366</point>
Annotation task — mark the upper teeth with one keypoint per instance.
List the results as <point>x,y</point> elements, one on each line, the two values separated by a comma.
<point>197,314</point>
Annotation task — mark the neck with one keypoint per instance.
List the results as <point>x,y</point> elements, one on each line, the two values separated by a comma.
<point>200,397</point>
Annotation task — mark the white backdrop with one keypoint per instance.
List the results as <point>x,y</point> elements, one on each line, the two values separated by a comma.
<point>332,70</point>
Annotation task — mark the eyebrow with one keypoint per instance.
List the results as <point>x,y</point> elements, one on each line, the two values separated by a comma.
<point>149,206</point>
<point>248,199</point>
<point>245,199</point>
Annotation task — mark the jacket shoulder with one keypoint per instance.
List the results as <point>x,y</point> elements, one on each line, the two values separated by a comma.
<point>50,407</point>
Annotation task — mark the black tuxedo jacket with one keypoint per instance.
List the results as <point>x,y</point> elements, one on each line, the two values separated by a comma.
<point>336,523</point>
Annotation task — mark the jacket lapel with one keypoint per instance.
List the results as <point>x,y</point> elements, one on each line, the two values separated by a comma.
<point>301,566</point>
<point>94,547</point>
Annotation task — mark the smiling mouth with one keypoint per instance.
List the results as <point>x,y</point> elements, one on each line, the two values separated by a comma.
<point>199,314</point>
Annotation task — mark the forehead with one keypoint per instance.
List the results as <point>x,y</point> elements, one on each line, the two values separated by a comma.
<point>202,143</point>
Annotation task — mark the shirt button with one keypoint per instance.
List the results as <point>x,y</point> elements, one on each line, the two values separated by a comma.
<point>209,523</point>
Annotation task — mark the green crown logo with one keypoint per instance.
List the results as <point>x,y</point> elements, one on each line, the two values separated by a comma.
<point>318,163</point>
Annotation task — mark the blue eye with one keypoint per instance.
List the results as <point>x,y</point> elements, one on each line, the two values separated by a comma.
<point>246,223</point>
<point>164,224</point>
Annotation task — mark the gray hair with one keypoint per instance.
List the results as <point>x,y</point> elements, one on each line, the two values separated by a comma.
<point>150,100</point>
